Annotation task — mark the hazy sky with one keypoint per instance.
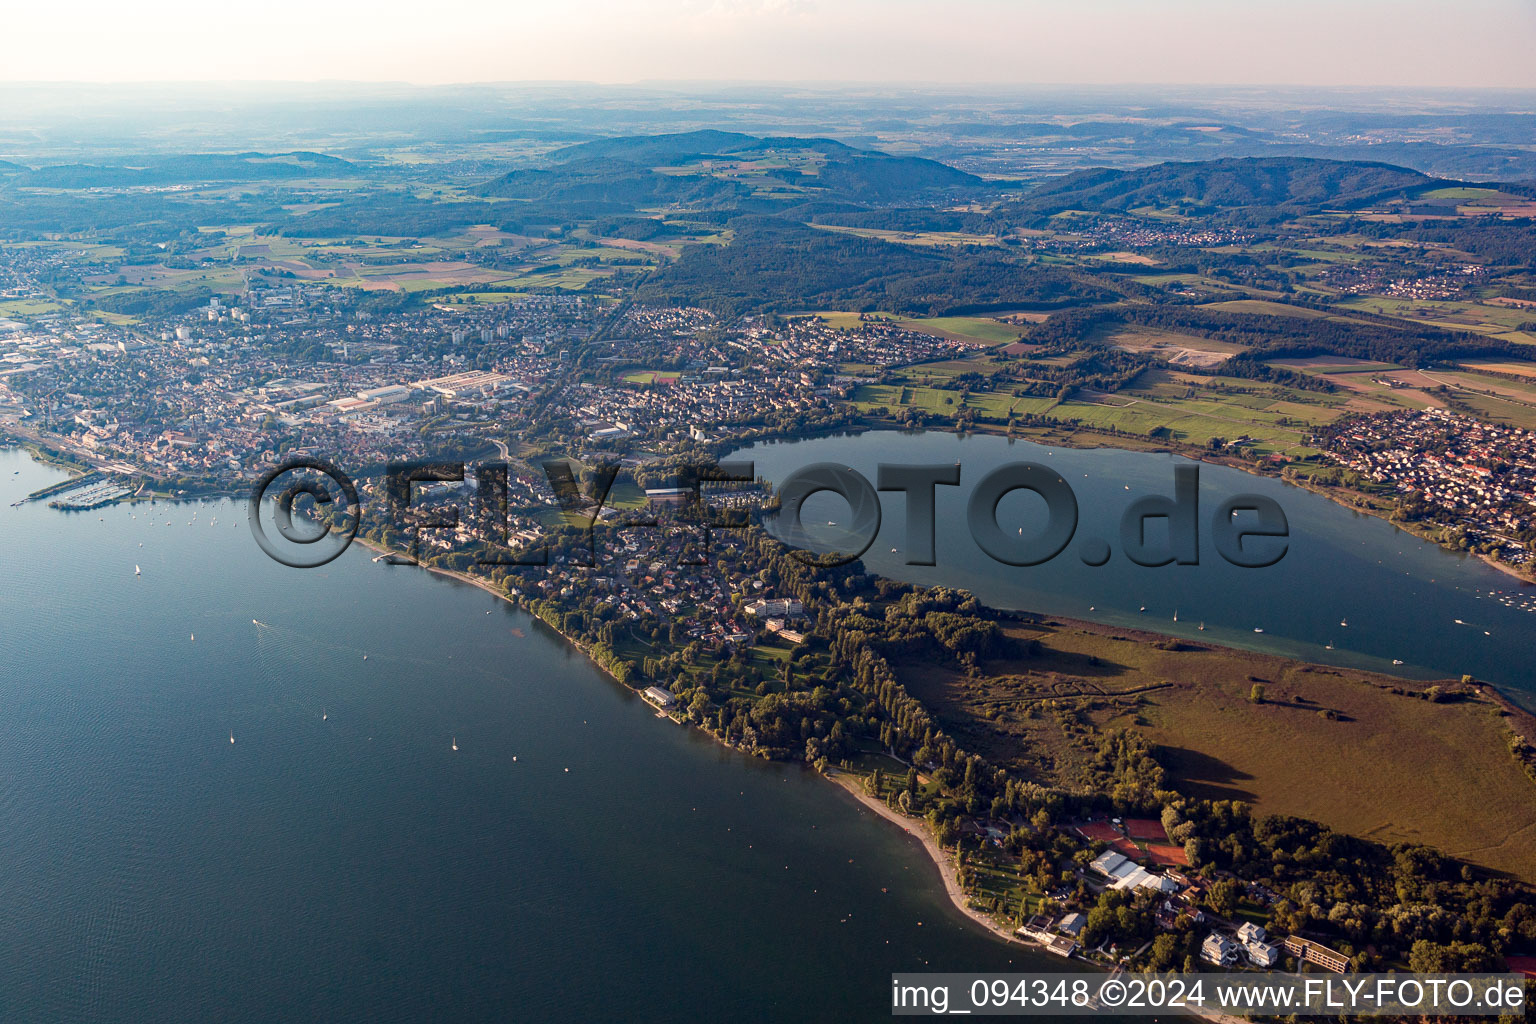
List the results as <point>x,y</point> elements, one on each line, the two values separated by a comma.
<point>1337,42</point>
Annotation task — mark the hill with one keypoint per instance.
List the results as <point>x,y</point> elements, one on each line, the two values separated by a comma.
<point>1281,185</point>
<point>190,168</point>
<point>807,166</point>
<point>678,147</point>
<point>777,264</point>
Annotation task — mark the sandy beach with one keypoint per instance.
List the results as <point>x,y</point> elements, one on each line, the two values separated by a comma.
<point>946,865</point>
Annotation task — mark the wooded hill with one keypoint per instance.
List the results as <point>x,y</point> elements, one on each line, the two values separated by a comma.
<point>628,162</point>
<point>1273,186</point>
<point>777,264</point>
<point>190,168</point>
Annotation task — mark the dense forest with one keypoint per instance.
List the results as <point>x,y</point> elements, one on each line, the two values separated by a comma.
<point>1266,189</point>
<point>778,265</point>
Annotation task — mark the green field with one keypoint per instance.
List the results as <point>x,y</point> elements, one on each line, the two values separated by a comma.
<point>982,330</point>
<point>29,307</point>
<point>1180,407</point>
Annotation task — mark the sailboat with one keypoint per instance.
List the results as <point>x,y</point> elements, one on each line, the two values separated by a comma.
<point>137,571</point>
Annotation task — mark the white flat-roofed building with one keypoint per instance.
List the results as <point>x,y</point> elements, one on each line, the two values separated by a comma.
<point>662,697</point>
<point>1108,863</point>
<point>1261,954</point>
<point>387,394</point>
<point>483,382</point>
<point>1219,950</point>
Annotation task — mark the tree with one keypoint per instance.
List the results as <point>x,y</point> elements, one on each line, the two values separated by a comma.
<point>1256,695</point>
<point>1221,898</point>
<point>1164,953</point>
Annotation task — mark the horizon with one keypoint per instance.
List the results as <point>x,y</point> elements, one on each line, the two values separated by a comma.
<point>1366,43</point>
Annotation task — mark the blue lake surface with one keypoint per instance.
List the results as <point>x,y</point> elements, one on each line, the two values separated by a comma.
<point>1401,597</point>
<point>577,859</point>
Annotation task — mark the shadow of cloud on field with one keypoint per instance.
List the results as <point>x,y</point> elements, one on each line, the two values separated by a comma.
<point>1203,776</point>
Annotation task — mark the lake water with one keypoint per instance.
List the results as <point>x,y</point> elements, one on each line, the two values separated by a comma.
<point>576,859</point>
<point>1400,596</point>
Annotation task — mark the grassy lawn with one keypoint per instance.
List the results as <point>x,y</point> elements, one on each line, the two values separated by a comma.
<point>982,330</point>
<point>651,377</point>
<point>29,307</point>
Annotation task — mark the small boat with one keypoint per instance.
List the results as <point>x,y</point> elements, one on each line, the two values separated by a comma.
<point>1397,661</point>
<point>137,571</point>
<point>324,716</point>
<point>231,738</point>
<point>194,636</point>
<point>831,522</point>
<point>1092,607</point>
<point>1256,629</point>
<point>893,551</point>
<point>1175,615</point>
<point>1142,608</point>
<point>455,743</point>
<point>365,657</point>
<point>1328,647</point>
<point>1460,623</point>
<point>1343,622</point>
<point>1201,627</point>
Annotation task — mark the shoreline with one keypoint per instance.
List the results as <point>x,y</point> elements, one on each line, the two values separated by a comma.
<point>946,868</point>
<point>1068,437</point>
<point>915,828</point>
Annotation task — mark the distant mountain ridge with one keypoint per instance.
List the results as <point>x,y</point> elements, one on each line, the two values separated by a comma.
<point>1283,184</point>
<point>858,174</point>
<point>188,168</point>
